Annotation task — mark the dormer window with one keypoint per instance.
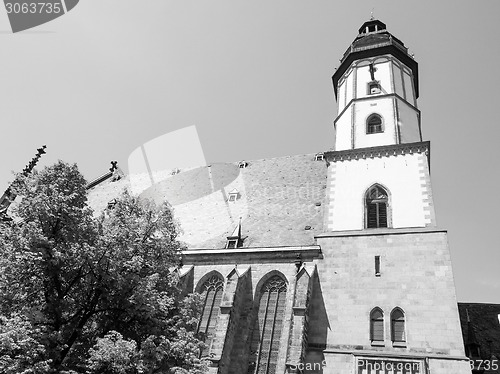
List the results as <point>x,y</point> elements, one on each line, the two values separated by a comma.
<point>374,88</point>
<point>319,156</point>
<point>235,240</point>
<point>374,124</point>
<point>233,195</point>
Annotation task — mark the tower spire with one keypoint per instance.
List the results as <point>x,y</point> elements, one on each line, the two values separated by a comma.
<point>8,196</point>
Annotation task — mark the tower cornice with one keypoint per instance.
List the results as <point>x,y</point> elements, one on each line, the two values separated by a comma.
<point>379,151</point>
<point>380,96</point>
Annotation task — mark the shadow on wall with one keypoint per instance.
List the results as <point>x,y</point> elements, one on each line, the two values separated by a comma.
<point>238,362</point>
<point>268,317</point>
<point>186,282</point>
<point>318,331</point>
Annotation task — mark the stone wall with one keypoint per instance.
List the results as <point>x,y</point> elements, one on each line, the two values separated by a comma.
<point>405,177</point>
<point>415,275</point>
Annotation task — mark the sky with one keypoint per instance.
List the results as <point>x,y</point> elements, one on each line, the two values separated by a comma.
<point>254,77</point>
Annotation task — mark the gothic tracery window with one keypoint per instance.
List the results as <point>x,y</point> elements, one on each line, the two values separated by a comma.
<point>268,327</point>
<point>212,294</point>
<point>374,124</point>
<point>376,200</point>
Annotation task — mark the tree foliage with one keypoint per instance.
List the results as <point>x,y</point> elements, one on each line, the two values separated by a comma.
<point>80,294</point>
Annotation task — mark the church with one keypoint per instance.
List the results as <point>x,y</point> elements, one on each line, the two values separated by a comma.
<point>328,262</point>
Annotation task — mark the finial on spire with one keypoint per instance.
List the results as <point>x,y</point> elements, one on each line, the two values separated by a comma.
<point>371,15</point>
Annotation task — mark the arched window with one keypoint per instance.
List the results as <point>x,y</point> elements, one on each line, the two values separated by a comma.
<point>398,326</point>
<point>377,325</point>
<point>376,207</point>
<point>211,291</point>
<point>374,124</point>
<point>268,325</point>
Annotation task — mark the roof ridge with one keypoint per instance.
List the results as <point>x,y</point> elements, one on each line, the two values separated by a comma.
<point>273,158</point>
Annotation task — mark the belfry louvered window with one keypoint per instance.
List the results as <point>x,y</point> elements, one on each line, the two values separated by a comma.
<point>376,207</point>
<point>398,326</point>
<point>268,327</point>
<point>377,325</point>
<point>374,124</point>
<point>212,293</point>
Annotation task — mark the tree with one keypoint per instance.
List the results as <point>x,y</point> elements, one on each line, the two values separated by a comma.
<point>75,282</point>
<point>20,352</point>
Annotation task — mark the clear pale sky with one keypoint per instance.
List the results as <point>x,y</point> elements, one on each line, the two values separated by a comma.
<point>255,79</point>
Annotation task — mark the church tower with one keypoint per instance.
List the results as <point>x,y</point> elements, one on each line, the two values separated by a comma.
<point>384,298</point>
<point>378,139</point>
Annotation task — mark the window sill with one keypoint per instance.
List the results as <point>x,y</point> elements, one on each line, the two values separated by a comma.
<point>378,343</point>
<point>399,344</point>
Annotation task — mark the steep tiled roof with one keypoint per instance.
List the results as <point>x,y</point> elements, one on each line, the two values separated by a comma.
<point>100,195</point>
<point>280,201</point>
<point>192,184</point>
<point>485,325</point>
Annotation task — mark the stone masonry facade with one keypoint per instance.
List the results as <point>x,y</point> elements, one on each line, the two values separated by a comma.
<point>332,289</point>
